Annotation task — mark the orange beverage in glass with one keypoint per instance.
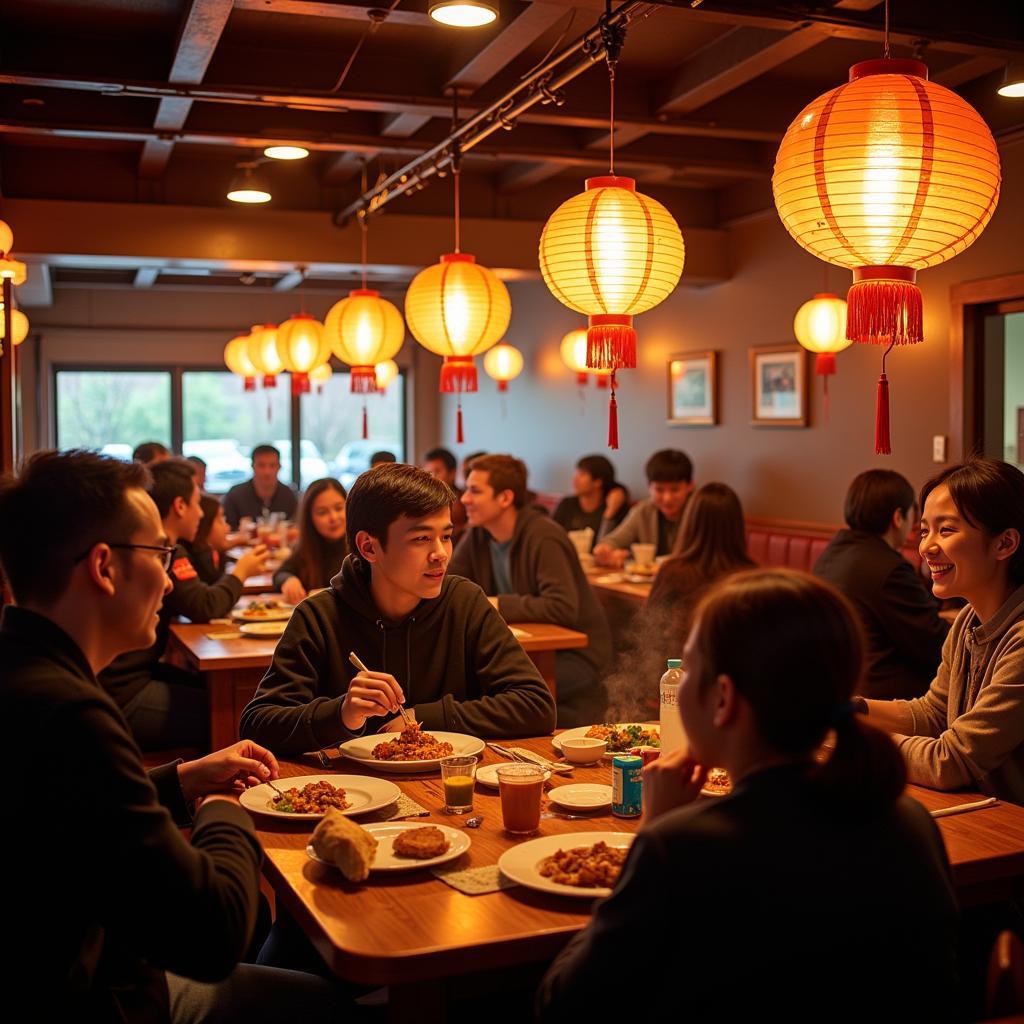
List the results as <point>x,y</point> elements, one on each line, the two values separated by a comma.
<point>520,787</point>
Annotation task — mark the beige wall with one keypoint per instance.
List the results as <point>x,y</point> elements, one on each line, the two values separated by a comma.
<point>790,473</point>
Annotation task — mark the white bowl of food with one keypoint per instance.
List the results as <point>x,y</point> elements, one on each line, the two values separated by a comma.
<point>584,750</point>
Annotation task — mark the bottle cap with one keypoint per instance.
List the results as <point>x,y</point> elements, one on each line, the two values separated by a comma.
<point>675,663</point>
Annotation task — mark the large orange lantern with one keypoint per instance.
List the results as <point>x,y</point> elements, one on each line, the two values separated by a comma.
<point>886,175</point>
<point>364,330</point>
<point>19,326</point>
<point>262,351</point>
<point>302,345</point>
<point>503,363</point>
<point>236,358</point>
<point>820,327</point>
<point>6,238</point>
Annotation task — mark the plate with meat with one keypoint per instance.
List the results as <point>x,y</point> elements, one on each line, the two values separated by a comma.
<point>267,610</point>
<point>412,750</point>
<point>402,846</point>
<point>621,737</point>
<point>717,783</point>
<point>584,864</point>
<point>307,797</point>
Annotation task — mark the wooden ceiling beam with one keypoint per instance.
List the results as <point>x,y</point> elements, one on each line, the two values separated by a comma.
<point>344,167</point>
<point>339,12</point>
<point>967,71</point>
<point>404,125</point>
<point>520,177</point>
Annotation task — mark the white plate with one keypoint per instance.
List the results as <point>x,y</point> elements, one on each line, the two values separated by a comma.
<point>263,629</point>
<point>283,612</point>
<point>583,796</point>
<point>637,577</point>
<point>487,774</point>
<point>364,792</point>
<point>361,750</point>
<point>520,862</point>
<point>581,731</point>
<point>385,858</point>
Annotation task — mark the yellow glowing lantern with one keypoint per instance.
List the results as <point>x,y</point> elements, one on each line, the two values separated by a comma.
<point>236,359</point>
<point>503,363</point>
<point>262,350</point>
<point>886,175</point>
<point>385,373</point>
<point>320,375</point>
<point>302,345</point>
<point>573,351</point>
<point>611,252</point>
<point>6,238</point>
<point>364,330</point>
<point>19,325</point>
<point>16,271</point>
<point>820,327</point>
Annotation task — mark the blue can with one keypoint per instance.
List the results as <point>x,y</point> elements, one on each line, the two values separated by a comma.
<point>627,785</point>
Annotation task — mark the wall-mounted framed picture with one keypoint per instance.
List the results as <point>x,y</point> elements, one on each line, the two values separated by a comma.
<point>778,386</point>
<point>693,388</point>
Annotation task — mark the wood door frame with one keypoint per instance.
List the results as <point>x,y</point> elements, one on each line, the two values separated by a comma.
<point>968,302</point>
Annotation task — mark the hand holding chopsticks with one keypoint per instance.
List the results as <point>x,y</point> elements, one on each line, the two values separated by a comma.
<point>383,681</point>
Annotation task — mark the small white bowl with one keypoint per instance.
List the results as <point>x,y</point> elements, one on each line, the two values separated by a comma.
<point>584,750</point>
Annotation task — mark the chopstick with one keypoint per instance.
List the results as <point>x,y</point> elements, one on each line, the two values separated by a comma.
<point>354,658</point>
<point>964,808</point>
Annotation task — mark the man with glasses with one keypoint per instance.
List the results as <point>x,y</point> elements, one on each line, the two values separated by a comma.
<point>167,706</point>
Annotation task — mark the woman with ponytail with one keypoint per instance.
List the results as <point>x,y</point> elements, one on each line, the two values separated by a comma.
<point>815,891</point>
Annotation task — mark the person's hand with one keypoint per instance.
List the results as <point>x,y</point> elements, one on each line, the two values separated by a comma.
<point>605,554</point>
<point>399,723</point>
<point>671,781</point>
<point>252,562</point>
<point>293,591</point>
<point>370,694</point>
<point>227,771</point>
<point>613,502</point>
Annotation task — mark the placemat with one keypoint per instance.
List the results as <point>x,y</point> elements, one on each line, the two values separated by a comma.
<point>473,881</point>
<point>403,807</point>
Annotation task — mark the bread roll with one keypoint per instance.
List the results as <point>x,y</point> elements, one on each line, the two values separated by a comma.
<point>344,844</point>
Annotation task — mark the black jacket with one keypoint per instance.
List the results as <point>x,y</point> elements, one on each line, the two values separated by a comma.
<point>191,597</point>
<point>901,619</point>
<point>545,574</point>
<point>458,664</point>
<point>293,566</point>
<point>107,894</point>
<point>772,902</point>
<point>242,500</point>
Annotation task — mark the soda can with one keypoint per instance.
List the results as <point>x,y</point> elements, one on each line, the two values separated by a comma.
<point>627,785</point>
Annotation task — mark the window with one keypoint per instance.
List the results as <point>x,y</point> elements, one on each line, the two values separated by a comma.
<point>112,410</point>
<point>332,429</point>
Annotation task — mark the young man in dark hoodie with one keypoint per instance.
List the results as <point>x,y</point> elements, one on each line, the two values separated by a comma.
<point>430,641</point>
<point>529,569</point>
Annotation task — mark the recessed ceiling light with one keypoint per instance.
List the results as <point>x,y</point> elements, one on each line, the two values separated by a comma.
<point>1013,81</point>
<point>247,187</point>
<point>286,152</point>
<point>463,13</point>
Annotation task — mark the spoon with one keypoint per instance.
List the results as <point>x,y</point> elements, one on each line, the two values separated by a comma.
<point>475,822</point>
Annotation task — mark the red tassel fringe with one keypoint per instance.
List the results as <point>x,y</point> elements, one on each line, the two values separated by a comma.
<point>883,446</point>
<point>884,312</point>
<point>300,383</point>
<point>269,381</point>
<point>366,424</point>
<point>825,364</point>
<point>458,374</point>
<point>611,347</point>
<point>602,381</point>
<point>250,383</point>
<point>613,422</point>
<point>503,385</point>
<point>459,436</point>
<point>363,380</point>
<point>581,379</point>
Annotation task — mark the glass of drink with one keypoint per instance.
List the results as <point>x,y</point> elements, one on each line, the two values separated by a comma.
<point>458,775</point>
<point>521,787</point>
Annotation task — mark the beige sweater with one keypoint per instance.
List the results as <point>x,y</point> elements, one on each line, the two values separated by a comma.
<point>968,729</point>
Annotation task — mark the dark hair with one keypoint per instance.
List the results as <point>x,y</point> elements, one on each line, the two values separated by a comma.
<point>382,495</point>
<point>989,494</point>
<point>872,499</point>
<point>172,478</point>
<point>312,550</point>
<point>504,473</point>
<point>669,466</point>
<point>443,456</point>
<point>600,469</point>
<point>55,510</point>
<point>210,506</point>
<point>794,648</point>
<point>712,535</point>
<point>195,460</point>
<point>467,462</point>
<point>382,458</point>
<point>265,449</point>
<point>148,451</point>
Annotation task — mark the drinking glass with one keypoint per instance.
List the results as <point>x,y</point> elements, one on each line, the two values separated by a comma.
<point>520,787</point>
<point>458,775</point>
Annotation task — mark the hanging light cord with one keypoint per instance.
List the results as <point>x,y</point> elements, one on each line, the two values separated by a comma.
<point>364,228</point>
<point>611,119</point>
<point>886,29</point>
<point>612,37</point>
<point>377,17</point>
<point>456,169</point>
<point>884,354</point>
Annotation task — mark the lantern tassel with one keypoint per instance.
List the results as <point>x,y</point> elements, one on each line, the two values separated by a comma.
<point>883,446</point>
<point>458,374</point>
<point>825,366</point>
<point>611,343</point>
<point>366,425</point>
<point>364,380</point>
<point>459,436</point>
<point>825,402</point>
<point>884,312</point>
<point>250,384</point>
<point>613,418</point>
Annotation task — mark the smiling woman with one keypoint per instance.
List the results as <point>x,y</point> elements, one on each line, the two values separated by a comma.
<point>968,729</point>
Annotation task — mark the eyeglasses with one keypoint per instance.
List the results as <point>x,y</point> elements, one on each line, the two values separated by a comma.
<point>166,551</point>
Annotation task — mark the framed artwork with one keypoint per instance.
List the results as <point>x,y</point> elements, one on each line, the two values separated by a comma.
<point>778,384</point>
<point>693,388</point>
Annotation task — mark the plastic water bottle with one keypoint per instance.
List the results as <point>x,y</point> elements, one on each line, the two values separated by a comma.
<point>672,735</point>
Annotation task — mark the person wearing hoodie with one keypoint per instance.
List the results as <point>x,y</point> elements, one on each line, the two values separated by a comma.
<point>430,641</point>
<point>528,567</point>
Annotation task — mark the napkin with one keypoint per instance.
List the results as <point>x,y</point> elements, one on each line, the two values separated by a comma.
<point>473,881</point>
<point>402,808</point>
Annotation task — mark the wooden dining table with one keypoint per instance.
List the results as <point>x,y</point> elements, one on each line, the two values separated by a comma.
<point>235,665</point>
<point>417,935</point>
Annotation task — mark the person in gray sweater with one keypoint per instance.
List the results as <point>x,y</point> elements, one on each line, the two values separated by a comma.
<point>968,729</point>
<point>530,571</point>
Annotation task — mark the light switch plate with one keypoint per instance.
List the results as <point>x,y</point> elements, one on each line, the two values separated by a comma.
<point>938,448</point>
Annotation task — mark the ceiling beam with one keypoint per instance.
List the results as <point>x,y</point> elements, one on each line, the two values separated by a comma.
<point>519,177</point>
<point>339,12</point>
<point>967,71</point>
<point>507,45</point>
<point>200,32</point>
<point>344,167</point>
<point>289,281</point>
<point>37,291</point>
<point>145,277</point>
<point>404,125</point>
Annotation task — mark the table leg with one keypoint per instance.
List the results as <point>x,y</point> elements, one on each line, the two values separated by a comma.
<point>229,691</point>
<point>545,662</point>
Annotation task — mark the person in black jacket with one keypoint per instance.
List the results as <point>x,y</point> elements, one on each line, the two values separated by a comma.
<point>322,545</point>
<point>129,922</point>
<point>814,891</point>
<point>263,493</point>
<point>598,501</point>
<point>530,571</point>
<point>167,706</point>
<point>901,620</point>
<point>430,641</point>
<point>207,552</point>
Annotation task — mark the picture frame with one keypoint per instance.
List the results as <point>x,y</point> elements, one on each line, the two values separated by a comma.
<point>693,388</point>
<point>778,386</point>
